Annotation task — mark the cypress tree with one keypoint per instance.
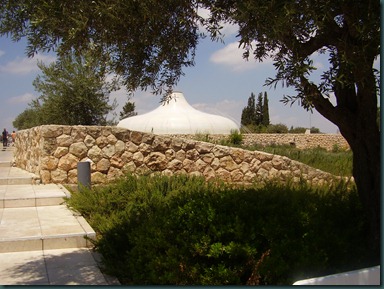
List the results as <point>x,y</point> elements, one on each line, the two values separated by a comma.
<point>265,114</point>
<point>259,110</point>
<point>249,112</point>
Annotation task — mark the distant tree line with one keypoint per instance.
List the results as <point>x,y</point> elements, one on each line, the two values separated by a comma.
<point>256,114</point>
<point>255,118</point>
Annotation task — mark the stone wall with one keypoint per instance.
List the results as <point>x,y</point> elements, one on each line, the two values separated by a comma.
<point>301,141</point>
<point>53,152</point>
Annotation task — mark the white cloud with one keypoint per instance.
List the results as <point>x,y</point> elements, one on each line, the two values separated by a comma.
<point>227,29</point>
<point>231,55</point>
<point>24,98</point>
<point>203,12</point>
<point>144,100</point>
<point>25,65</point>
<point>319,60</point>
<point>227,108</point>
<point>2,52</point>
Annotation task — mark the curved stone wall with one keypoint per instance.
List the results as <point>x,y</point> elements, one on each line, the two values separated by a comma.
<point>300,141</point>
<point>53,152</point>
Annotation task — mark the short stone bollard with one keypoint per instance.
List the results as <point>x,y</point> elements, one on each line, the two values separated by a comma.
<point>84,175</point>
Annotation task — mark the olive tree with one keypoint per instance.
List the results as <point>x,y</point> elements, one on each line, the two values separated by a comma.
<point>74,90</point>
<point>291,32</point>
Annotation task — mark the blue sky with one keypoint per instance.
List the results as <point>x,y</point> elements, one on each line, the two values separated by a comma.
<point>220,83</point>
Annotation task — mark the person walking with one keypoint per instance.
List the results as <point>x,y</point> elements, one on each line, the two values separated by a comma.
<point>13,136</point>
<point>5,138</point>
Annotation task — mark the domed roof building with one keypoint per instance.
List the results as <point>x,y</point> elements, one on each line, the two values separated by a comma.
<point>177,116</point>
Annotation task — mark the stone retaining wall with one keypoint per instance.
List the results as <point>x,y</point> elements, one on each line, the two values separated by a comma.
<point>52,152</point>
<point>301,141</point>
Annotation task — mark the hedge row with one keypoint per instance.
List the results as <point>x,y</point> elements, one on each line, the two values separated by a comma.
<point>182,230</point>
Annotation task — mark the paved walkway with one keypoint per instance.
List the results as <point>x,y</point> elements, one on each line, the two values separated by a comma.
<point>42,241</point>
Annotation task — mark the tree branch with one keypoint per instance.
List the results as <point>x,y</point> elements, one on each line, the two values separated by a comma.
<point>338,115</point>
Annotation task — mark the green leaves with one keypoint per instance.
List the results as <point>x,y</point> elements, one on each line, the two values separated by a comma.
<point>256,113</point>
<point>74,91</point>
<point>146,42</point>
<point>149,42</point>
<point>182,230</point>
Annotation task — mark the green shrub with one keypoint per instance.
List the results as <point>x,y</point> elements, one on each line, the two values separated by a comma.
<point>297,129</point>
<point>315,130</point>
<point>202,137</point>
<point>251,128</point>
<point>247,128</point>
<point>277,128</point>
<point>235,137</point>
<point>184,231</point>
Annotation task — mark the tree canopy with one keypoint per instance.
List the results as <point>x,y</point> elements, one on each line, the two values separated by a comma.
<point>128,109</point>
<point>149,42</point>
<point>30,117</point>
<point>73,91</point>
<point>256,113</point>
<point>265,112</point>
<point>146,42</point>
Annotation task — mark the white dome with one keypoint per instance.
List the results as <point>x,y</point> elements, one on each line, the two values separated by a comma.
<point>178,117</point>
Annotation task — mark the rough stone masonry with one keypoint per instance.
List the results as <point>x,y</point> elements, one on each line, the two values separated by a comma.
<point>52,152</point>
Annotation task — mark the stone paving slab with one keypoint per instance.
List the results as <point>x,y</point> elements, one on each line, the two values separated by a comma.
<point>28,227</point>
<point>73,266</point>
<point>27,195</point>
<point>6,153</point>
<point>41,240</point>
<point>15,176</point>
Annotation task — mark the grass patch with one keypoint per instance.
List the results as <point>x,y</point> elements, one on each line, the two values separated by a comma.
<point>183,230</point>
<point>337,162</point>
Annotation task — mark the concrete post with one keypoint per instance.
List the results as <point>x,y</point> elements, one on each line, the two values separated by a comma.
<point>84,174</point>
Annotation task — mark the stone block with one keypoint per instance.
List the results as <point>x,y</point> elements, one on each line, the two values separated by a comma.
<point>103,165</point>
<point>89,141</point>
<point>156,161</point>
<point>59,176</point>
<point>64,140</point>
<point>78,133</point>
<point>228,163</point>
<point>109,150</point>
<point>94,131</point>
<point>60,152</point>
<point>48,131</point>
<point>117,162</point>
<point>203,147</point>
<point>121,134</point>
<point>95,154</point>
<point>112,139</point>
<point>98,178</point>
<point>49,163</point>
<point>101,141</point>
<point>78,149</point>
<point>119,147</point>
<point>136,137</point>
<point>68,162</point>
<point>192,155</point>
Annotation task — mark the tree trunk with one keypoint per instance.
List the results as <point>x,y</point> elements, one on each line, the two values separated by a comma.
<point>355,115</point>
<point>365,145</point>
<point>363,137</point>
<point>366,171</point>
